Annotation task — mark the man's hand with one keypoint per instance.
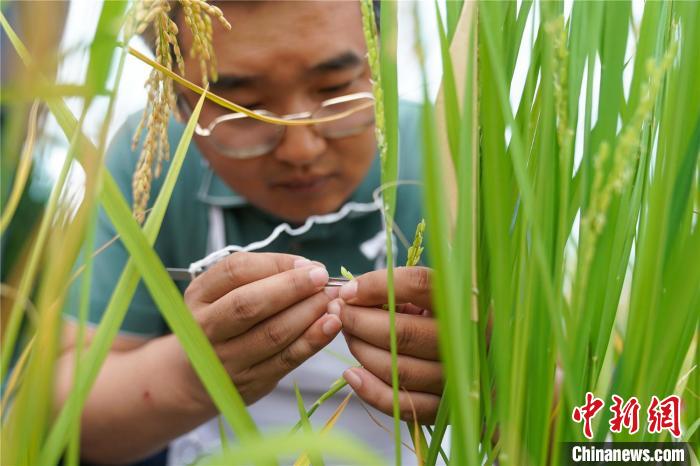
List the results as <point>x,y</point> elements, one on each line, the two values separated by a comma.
<point>366,329</point>
<point>265,315</point>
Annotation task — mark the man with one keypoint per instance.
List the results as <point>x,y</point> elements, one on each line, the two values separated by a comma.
<point>268,315</point>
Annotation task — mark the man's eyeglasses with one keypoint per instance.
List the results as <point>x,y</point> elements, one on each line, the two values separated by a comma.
<point>240,136</point>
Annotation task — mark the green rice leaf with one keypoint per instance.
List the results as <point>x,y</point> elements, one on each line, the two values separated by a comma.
<point>382,60</point>
<point>273,446</point>
<point>169,300</point>
<point>446,302</point>
<point>306,424</point>
<point>73,451</point>
<point>454,10</point>
<point>449,88</point>
<point>103,47</point>
<point>442,420</point>
<point>338,385</point>
<point>119,302</point>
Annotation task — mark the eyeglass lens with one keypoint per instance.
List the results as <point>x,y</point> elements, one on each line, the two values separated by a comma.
<point>248,137</point>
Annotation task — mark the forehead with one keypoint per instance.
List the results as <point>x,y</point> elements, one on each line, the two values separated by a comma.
<point>285,35</point>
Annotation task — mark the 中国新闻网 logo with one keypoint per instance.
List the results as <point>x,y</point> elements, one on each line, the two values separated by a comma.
<point>662,415</point>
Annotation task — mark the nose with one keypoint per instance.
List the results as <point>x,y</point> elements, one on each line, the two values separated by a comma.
<point>300,145</point>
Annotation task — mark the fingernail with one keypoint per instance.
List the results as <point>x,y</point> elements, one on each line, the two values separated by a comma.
<point>331,326</point>
<point>299,263</point>
<point>318,276</point>
<point>353,379</point>
<point>331,291</point>
<point>349,290</point>
<point>334,308</point>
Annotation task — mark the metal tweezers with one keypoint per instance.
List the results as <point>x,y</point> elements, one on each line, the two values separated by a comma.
<point>179,274</point>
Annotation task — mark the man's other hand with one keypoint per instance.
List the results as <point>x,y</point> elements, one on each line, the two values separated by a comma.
<point>366,329</point>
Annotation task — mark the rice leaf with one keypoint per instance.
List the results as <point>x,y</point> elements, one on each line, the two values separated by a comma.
<point>169,300</point>
<point>223,436</point>
<point>29,403</point>
<point>338,385</point>
<point>445,289</point>
<point>118,304</point>
<point>102,48</point>
<point>449,89</point>
<point>281,444</point>
<point>438,433</point>
<point>304,458</point>
<point>382,60</point>
<point>73,451</point>
<point>25,165</point>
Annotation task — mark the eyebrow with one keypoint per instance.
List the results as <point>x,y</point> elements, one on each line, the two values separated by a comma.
<point>232,81</point>
<point>343,61</point>
<point>340,62</point>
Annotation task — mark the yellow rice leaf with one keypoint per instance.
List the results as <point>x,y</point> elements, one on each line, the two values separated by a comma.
<point>336,415</point>
<point>23,169</point>
<point>304,459</point>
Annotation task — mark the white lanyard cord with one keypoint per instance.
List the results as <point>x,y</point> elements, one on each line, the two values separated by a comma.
<point>201,265</point>
<point>217,231</point>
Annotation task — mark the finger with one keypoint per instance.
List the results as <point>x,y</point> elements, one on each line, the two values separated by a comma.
<point>242,308</point>
<point>408,308</point>
<point>378,394</point>
<point>414,374</point>
<point>276,333</point>
<point>315,338</point>
<point>415,335</point>
<point>411,285</point>
<point>235,270</point>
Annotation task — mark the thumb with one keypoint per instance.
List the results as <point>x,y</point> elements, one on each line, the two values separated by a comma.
<point>411,285</point>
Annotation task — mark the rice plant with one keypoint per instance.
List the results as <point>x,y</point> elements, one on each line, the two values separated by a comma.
<point>561,172</point>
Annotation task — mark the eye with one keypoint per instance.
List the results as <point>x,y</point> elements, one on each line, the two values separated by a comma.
<point>336,88</point>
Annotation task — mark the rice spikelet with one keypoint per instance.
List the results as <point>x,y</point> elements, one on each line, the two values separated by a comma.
<point>624,161</point>
<point>557,32</point>
<point>159,14</point>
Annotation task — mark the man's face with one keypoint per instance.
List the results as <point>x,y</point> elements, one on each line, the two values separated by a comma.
<point>288,57</point>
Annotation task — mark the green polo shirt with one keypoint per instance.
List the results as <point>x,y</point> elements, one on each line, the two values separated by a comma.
<point>184,232</point>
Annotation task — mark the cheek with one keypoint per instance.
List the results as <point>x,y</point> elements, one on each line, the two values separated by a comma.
<point>356,154</point>
<point>246,177</point>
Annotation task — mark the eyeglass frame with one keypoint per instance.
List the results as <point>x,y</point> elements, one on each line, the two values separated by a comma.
<point>207,131</point>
